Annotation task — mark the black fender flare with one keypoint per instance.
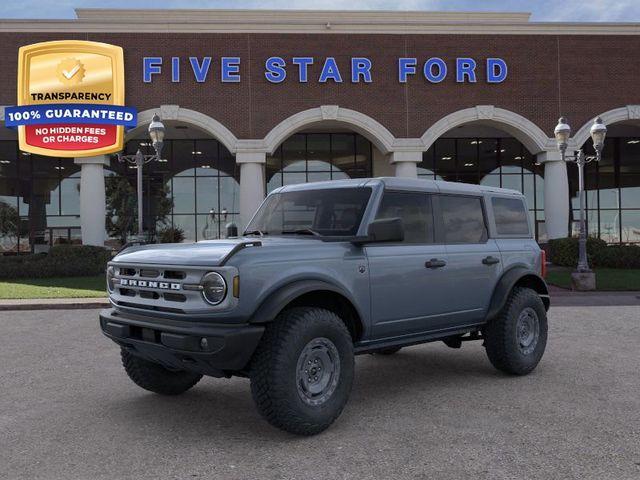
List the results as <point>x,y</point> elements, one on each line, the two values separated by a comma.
<point>281,297</point>
<point>509,280</point>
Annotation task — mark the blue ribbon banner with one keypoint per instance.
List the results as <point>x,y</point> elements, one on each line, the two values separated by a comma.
<point>70,113</point>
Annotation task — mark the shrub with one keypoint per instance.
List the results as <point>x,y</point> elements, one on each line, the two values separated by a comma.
<point>61,261</point>
<point>171,235</point>
<point>618,256</point>
<point>564,252</point>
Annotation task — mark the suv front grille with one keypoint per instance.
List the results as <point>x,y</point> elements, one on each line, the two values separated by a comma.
<point>156,288</point>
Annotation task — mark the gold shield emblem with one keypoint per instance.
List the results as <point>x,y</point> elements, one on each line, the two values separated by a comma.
<point>76,73</point>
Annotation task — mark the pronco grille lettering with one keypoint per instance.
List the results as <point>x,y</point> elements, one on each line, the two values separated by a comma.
<point>127,282</point>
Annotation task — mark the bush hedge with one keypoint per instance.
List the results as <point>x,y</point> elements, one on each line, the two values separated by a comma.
<point>61,261</point>
<point>564,252</point>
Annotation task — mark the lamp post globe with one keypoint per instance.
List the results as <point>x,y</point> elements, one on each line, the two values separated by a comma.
<point>156,133</point>
<point>562,133</point>
<point>598,133</point>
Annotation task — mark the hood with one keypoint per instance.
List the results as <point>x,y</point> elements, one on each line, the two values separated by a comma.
<point>206,253</point>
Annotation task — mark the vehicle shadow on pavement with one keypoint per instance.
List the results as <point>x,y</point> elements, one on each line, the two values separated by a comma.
<point>221,407</point>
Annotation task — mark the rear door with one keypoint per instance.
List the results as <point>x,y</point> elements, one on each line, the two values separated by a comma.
<point>408,287</point>
<point>474,262</point>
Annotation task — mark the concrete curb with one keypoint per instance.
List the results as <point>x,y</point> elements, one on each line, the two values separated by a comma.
<point>53,304</point>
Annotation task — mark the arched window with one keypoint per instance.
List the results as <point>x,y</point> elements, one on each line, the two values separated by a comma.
<point>199,178</point>
<point>314,157</point>
<point>498,162</point>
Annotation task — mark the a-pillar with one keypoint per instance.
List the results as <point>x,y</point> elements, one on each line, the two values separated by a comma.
<point>93,208</point>
<point>556,194</point>
<point>252,184</point>
<point>406,163</point>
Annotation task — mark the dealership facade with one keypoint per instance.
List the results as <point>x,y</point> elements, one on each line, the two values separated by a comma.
<point>252,100</point>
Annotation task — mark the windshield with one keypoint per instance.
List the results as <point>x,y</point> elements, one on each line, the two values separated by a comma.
<point>326,212</point>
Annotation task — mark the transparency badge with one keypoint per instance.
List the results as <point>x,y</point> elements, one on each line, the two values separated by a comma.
<point>70,99</point>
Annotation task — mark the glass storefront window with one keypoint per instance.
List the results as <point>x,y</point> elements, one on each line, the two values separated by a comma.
<point>316,157</point>
<point>494,162</point>
<point>612,190</point>
<point>445,158</point>
<point>630,225</point>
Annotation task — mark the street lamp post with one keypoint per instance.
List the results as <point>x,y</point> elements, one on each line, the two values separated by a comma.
<point>156,133</point>
<point>598,132</point>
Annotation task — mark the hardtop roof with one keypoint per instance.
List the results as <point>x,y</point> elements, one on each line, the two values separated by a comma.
<point>401,183</point>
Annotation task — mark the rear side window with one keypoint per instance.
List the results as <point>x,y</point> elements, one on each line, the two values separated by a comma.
<point>511,216</point>
<point>463,219</point>
<point>415,211</point>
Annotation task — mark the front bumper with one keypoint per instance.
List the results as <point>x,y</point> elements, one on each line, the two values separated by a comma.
<point>179,344</point>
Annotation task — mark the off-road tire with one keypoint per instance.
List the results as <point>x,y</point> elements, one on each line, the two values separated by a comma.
<point>275,385</point>
<point>155,378</point>
<point>387,351</point>
<point>502,342</point>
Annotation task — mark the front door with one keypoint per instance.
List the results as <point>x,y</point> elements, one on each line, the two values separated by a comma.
<point>408,279</point>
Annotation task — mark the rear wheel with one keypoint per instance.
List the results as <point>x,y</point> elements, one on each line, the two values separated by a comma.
<point>302,371</point>
<point>155,378</point>
<point>516,339</point>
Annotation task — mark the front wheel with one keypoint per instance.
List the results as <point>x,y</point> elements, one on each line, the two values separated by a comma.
<point>516,339</point>
<point>302,371</point>
<point>155,378</point>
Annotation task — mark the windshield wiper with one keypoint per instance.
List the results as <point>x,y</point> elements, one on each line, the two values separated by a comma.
<point>255,232</point>
<point>301,231</point>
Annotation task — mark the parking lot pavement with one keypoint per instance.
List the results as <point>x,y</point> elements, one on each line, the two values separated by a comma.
<point>67,411</point>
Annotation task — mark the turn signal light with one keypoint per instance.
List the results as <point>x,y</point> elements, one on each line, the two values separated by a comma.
<point>543,263</point>
<point>236,286</point>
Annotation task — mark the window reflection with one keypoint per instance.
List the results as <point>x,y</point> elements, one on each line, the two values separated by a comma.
<point>201,182</point>
<point>612,191</point>
<point>493,162</point>
<point>316,157</point>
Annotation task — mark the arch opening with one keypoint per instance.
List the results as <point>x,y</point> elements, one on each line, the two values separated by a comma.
<point>612,186</point>
<point>193,192</point>
<point>487,155</point>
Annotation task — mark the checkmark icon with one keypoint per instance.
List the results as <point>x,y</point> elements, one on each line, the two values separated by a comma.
<point>71,73</point>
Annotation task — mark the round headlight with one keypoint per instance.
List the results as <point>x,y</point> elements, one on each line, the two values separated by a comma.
<point>214,288</point>
<point>111,272</point>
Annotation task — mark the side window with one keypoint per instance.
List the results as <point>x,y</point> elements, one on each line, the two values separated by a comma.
<point>415,211</point>
<point>463,219</point>
<point>511,216</point>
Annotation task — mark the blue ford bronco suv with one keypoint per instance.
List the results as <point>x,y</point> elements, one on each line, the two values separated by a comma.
<point>325,271</point>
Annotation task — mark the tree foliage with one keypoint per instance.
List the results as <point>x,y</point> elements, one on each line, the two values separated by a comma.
<point>122,207</point>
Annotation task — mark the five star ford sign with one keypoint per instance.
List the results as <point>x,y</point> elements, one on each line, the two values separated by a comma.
<point>70,99</point>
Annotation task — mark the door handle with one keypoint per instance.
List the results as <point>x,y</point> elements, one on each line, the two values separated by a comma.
<point>490,260</point>
<point>435,263</point>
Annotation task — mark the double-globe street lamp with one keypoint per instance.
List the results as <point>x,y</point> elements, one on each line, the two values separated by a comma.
<point>598,132</point>
<point>156,133</point>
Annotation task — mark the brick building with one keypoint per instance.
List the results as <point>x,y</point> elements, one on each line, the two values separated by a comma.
<point>256,99</point>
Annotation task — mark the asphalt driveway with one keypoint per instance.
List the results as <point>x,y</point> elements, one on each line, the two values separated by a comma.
<point>67,411</point>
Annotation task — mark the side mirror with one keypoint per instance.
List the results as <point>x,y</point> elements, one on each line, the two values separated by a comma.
<point>232,230</point>
<point>385,230</point>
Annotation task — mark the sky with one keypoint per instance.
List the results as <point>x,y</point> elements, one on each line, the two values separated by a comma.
<point>542,10</point>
